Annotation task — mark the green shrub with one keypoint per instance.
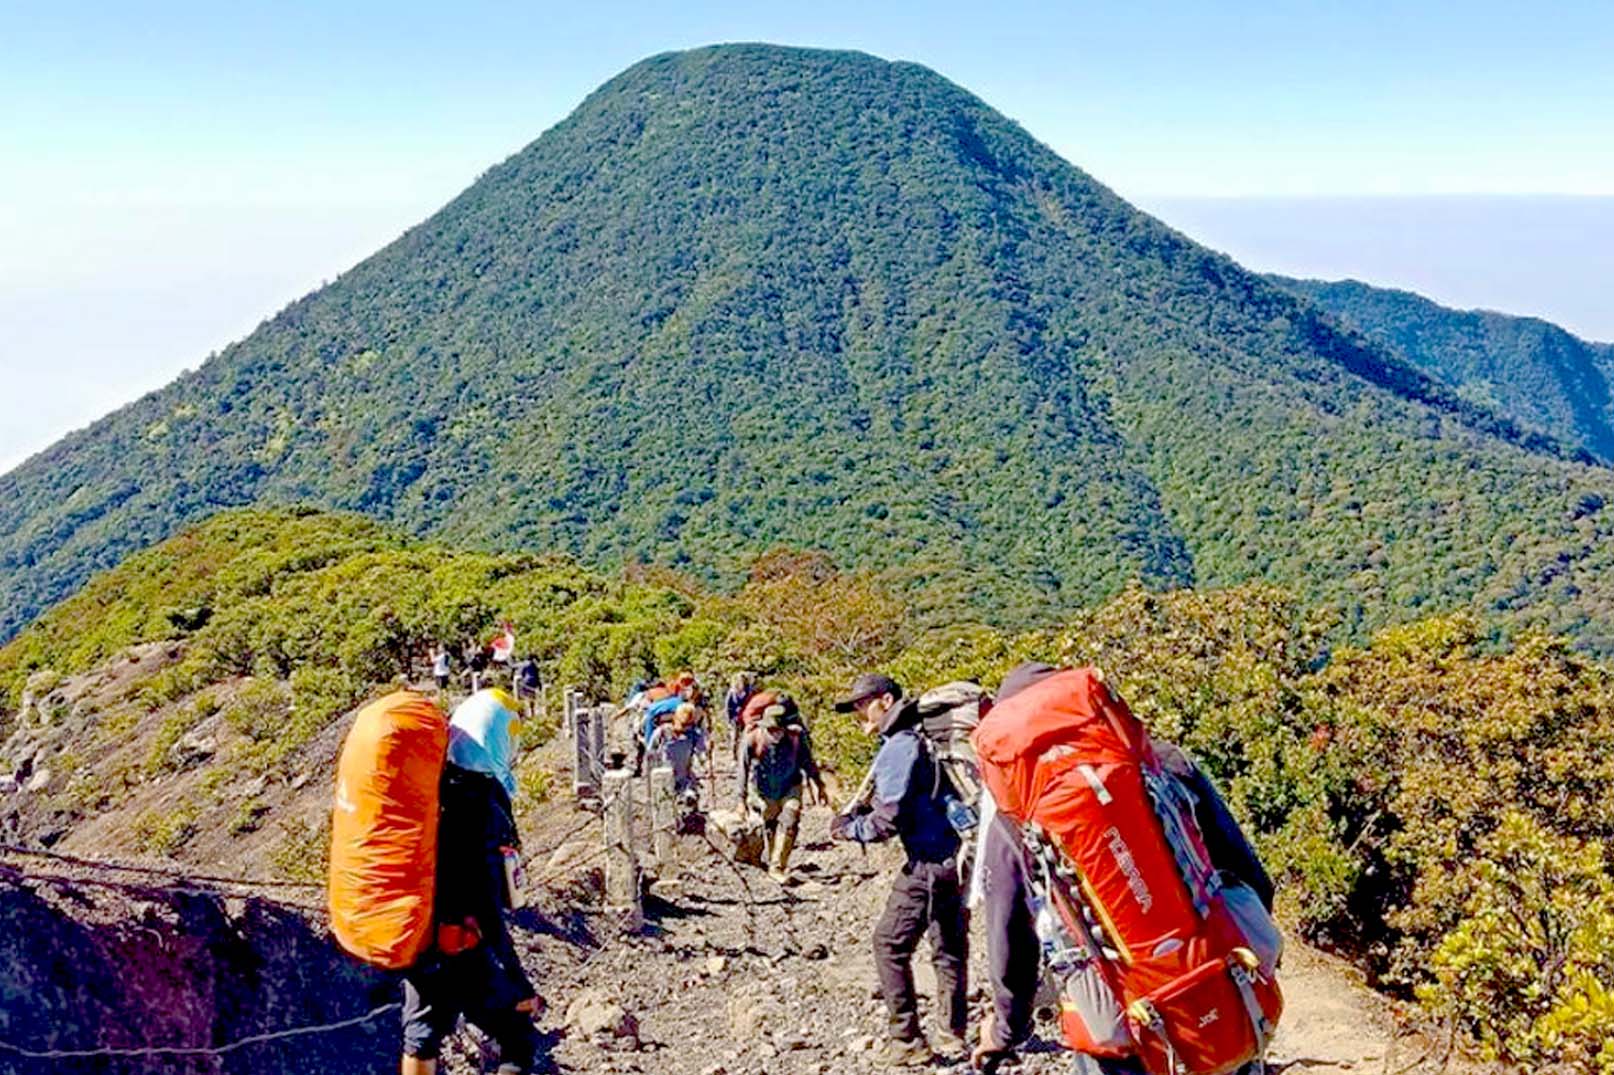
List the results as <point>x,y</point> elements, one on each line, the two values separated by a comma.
<point>534,785</point>
<point>319,695</point>
<point>248,816</point>
<point>1528,967</point>
<point>1579,1029</point>
<point>259,709</point>
<point>303,851</point>
<point>165,832</point>
<point>159,755</point>
<point>172,683</point>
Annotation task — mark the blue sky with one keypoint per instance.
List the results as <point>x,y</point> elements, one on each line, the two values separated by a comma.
<point>172,173</point>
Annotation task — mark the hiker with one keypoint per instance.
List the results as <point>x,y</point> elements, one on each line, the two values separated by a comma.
<point>1003,888</point>
<point>526,681</point>
<point>472,968</point>
<point>440,667</point>
<point>776,763</point>
<point>695,695</point>
<point>662,701</point>
<point>676,745</point>
<point>908,801</point>
<point>656,715</point>
<point>476,667</point>
<point>741,688</point>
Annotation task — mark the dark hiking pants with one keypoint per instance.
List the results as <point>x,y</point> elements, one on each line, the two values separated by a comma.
<point>926,897</point>
<point>439,989</point>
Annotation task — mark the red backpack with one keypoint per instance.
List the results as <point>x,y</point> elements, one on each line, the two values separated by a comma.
<point>1159,963</point>
<point>751,714</point>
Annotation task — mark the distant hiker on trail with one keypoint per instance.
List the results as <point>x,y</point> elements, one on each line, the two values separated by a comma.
<point>1011,888</point>
<point>659,703</point>
<point>776,763</point>
<point>677,744</point>
<point>472,968</point>
<point>907,802</point>
<point>526,681</point>
<point>476,667</point>
<point>741,688</point>
<point>440,666</point>
<point>656,714</point>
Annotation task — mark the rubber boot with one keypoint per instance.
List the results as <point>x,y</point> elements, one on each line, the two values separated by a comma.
<point>784,841</point>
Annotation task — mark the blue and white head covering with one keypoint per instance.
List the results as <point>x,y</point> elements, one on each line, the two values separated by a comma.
<point>482,736</point>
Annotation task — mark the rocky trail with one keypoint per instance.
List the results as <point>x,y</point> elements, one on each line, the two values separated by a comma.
<point>731,972</point>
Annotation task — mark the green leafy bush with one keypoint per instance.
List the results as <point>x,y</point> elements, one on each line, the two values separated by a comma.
<point>1527,967</point>
<point>259,709</point>
<point>163,832</point>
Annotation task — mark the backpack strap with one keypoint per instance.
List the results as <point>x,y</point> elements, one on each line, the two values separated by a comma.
<point>1242,967</point>
<point>1174,809</point>
<point>1147,1016</point>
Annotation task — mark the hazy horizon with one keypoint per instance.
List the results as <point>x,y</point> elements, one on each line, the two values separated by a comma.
<point>1544,256</point>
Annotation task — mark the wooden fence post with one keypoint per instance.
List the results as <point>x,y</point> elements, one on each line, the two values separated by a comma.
<point>621,864</point>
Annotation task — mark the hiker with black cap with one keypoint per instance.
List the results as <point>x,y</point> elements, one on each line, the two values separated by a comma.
<point>908,802</point>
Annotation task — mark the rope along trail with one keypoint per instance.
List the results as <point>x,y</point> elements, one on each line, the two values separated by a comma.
<point>159,871</point>
<point>179,876</point>
<point>197,1050</point>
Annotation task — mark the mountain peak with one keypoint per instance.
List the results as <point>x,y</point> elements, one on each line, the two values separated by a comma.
<point>749,295</point>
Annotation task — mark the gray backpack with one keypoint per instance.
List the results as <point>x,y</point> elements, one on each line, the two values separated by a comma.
<point>947,716</point>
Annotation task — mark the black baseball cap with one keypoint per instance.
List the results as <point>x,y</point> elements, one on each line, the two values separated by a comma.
<point>868,685</point>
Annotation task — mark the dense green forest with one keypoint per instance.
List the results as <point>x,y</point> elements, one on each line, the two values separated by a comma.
<point>750,295</point>
<point>1489,898</point>
<point>1532,371</point>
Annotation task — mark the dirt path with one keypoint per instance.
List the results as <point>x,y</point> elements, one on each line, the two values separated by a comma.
<point>736,974</point>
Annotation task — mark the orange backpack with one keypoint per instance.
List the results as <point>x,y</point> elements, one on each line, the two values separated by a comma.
<point>1162,957</point>
<point>384,830</point>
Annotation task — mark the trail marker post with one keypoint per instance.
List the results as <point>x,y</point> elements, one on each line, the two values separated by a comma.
<point>621,864</point>
<point>587,751</point>
<point>663,816</point>
<point>596,738</point>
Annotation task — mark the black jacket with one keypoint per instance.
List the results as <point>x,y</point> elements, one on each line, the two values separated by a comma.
<point>476,824</point>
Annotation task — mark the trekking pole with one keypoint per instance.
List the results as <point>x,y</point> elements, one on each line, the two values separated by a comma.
<point>861,796</point>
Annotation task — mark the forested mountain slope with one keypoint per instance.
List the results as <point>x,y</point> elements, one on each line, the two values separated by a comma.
<point>750,295</point>
<point>1528,369</point>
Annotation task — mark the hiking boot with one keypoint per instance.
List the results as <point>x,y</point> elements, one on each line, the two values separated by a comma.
<point>905,1052</point>
<point>779,874</point>
<point>954,1045</point>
